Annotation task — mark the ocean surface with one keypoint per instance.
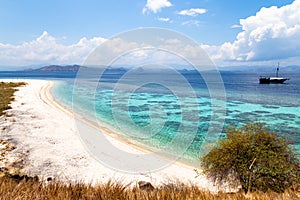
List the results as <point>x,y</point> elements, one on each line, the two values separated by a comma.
<point>153,114</point>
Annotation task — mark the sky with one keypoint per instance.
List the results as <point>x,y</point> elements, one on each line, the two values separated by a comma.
<point>233,33</point>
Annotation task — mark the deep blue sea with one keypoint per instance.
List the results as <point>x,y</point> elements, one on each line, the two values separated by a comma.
<point>153,114</point>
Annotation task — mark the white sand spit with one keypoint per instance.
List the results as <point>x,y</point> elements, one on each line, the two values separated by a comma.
<point>46,134</point>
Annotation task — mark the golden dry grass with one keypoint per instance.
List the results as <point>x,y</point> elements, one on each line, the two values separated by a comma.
<point>10,188</point>
<point>6,94</point>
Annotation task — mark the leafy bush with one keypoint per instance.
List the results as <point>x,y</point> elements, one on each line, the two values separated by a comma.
<point>254,157</point>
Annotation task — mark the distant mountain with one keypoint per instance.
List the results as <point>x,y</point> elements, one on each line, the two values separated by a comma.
<point>117,69</point>
<point>73,68</point>
<point>16,68</point>
<point>124,69</point>
<point>261,69</point>
<point>292,68</point>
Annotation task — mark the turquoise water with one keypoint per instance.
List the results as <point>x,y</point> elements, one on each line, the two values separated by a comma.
<point>152,115</point>
<point>155,136</point>
<point>133,115</point>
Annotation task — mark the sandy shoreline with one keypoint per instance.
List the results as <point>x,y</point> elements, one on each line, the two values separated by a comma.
<point>45,134</point>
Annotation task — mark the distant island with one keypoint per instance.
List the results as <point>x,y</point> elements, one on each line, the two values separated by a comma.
<point>118,69</point>
<point>73,68</point>
<point>259,69</point>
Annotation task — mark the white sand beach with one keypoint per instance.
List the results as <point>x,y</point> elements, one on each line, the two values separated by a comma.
<point>46,137</point>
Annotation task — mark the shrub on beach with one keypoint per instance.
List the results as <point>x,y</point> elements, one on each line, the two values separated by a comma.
<point>253,157</point>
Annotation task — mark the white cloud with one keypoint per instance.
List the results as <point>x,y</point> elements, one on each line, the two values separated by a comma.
<point>236,26</point>
<point>272,34</point>
<point>114,50</point>
<point>163,19</point>
<point>156,5</point>
<point>136,52</point>
<point>47,49</point>
<point>191,23</point>
<point>192,12</point>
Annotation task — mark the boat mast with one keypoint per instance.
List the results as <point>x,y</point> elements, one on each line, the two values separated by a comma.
<point>277,70</point>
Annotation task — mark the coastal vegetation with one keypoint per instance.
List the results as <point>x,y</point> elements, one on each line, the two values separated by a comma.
<point>20,186</point>
<point>6,94</point>
<point>33,189</point>
<point>255,158</point>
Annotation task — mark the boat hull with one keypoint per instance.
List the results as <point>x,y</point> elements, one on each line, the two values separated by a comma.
<point>270,80</point>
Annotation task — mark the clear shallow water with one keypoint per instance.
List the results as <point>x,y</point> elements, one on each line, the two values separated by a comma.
<point>247,101</point>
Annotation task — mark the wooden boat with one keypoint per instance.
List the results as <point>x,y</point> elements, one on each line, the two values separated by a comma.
<point>276,79</point>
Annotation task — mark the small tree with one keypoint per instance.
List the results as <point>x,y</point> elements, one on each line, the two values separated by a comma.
<point>255,157</point>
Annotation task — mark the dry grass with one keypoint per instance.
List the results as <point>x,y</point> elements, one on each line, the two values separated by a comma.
<point>11,188</point>
<point>6,94</point>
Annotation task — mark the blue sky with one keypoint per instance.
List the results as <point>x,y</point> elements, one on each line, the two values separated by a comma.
<point>217,25</point>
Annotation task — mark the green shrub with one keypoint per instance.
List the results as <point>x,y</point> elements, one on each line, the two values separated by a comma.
<point>254,157</point>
